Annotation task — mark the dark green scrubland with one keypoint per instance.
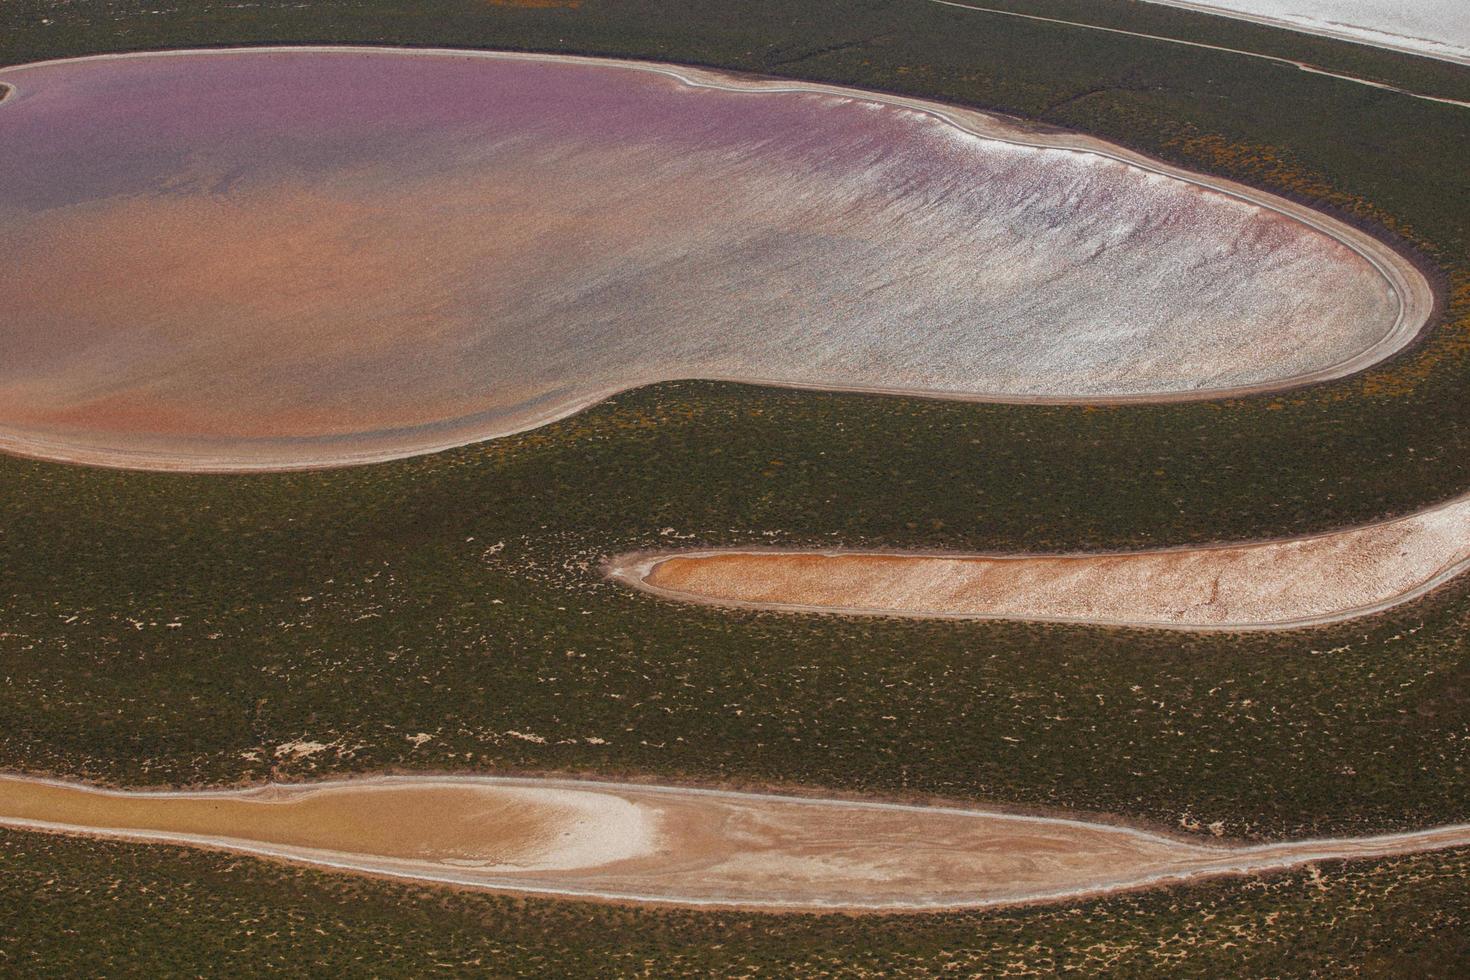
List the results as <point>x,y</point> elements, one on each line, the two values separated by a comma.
<point>459,596</point>
<point>183,629</point>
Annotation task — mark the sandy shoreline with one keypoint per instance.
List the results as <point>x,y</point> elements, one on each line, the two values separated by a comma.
<point>672,845</point>
<point>1415,300</point>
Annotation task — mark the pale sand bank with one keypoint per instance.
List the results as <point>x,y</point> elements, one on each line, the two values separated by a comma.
<point>1265,585</point>
<point>672,845</point>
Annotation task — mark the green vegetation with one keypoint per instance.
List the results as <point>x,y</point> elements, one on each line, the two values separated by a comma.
<point>458,595</point>
<point>91,908</point>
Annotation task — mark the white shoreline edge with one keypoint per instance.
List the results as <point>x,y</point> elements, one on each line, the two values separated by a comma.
<point>1415,298</point>
<point>1253,858</point>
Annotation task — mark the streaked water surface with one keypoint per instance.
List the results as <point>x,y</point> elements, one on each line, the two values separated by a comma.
<point>278,258</point>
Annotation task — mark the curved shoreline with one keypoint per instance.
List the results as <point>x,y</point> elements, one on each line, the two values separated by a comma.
<point>906,575</point>
<point>726,849</point>
<point>1417,302</point>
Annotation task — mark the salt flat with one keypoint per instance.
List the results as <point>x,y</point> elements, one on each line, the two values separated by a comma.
<point>1435,28</point>
<point>280,258</point>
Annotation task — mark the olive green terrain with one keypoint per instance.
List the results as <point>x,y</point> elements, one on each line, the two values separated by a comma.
<point>193,629</point>
<point>180,629</point>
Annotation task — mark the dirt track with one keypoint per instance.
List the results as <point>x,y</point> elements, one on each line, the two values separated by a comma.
<point>670,845</point>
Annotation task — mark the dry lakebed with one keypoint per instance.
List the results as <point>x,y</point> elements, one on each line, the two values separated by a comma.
<point>1282,584</point>
<point>673,845</point>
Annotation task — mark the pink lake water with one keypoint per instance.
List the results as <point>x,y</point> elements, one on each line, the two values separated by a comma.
<point>224,260</point>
